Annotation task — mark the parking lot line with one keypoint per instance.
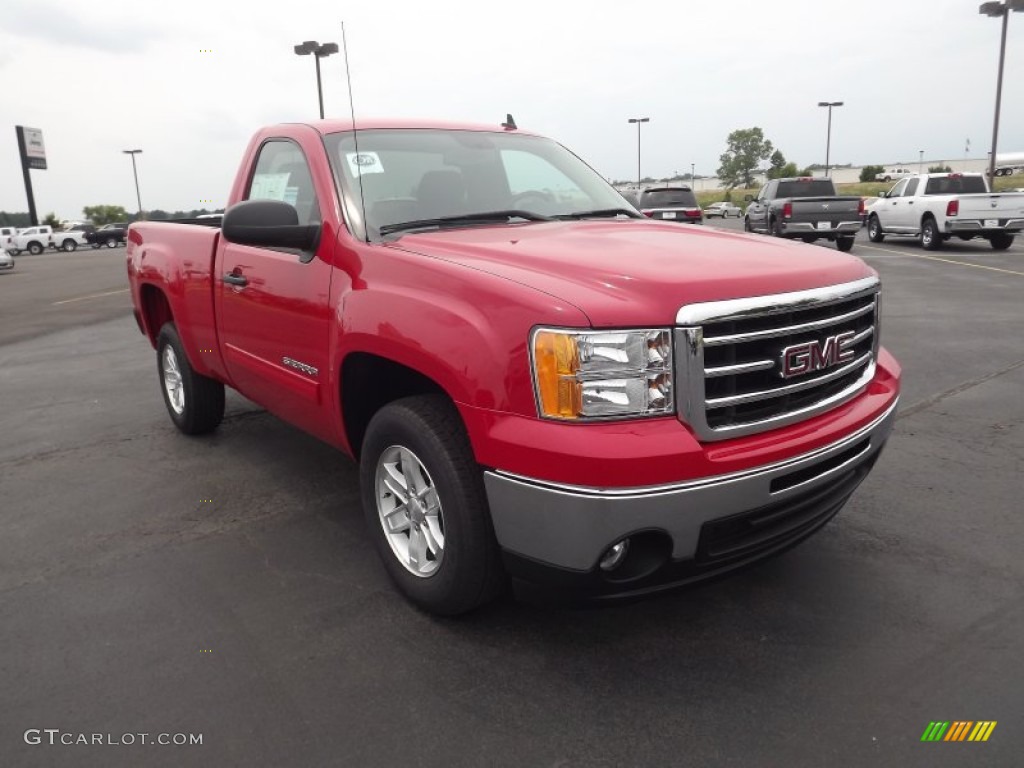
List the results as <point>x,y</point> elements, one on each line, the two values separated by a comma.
<point>947,261</point>
<point>90,296</point>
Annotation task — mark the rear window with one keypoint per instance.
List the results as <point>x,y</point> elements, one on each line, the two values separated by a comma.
<point>813,188</point>
<point>668,198</point>
<point>954,185</point>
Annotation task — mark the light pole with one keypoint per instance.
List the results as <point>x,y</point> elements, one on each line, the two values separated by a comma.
<point>693,176</point>
<point>995,10</point>
<point>920,161</point>
<point>638,120</point>
<point>319,52</point>
<point>135,173</point>
<point>828,134</point>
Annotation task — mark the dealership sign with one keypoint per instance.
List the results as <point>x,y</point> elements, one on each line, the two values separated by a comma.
<point>32,148</point>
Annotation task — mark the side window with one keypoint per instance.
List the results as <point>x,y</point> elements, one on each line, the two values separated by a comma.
<point>282,173</point>
<point>897,191</point>
<point>911,188</point>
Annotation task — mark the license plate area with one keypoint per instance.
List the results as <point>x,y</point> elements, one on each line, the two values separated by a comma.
<point>824,225</point>
<point>668,214</point>
<point>990,223</point>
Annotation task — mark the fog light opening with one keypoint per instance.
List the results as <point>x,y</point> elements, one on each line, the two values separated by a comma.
<point>614,556</point>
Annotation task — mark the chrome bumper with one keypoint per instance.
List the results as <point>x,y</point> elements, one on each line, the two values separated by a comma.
<point>807,228</point>
<point>977,226</point>
<point>570,527</point>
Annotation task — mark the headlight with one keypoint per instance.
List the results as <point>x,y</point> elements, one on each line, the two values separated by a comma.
<point>602,374</point>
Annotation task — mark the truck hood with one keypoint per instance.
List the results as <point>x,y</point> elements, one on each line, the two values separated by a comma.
<point>638,272</point>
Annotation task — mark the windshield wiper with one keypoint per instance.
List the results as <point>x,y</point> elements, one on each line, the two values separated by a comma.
<point>464,218</point>
<point>600,213</point>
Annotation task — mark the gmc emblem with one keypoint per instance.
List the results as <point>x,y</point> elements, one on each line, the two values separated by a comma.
<point>817,355</point>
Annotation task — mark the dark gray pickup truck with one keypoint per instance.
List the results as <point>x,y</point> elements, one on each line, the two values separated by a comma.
<point>806,208</point>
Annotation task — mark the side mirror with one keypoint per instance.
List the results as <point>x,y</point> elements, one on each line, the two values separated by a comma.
<point>268,223</point>
<point>747,198</point>
<point>884,194</point>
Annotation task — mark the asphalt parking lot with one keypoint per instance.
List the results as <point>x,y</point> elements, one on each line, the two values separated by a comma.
<point>151,583</point>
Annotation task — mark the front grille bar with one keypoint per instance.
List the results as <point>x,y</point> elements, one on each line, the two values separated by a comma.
<point>737,338</point>
<point>750,397</point>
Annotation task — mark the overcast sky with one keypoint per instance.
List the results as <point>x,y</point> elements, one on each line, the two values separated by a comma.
<point>107,75</point>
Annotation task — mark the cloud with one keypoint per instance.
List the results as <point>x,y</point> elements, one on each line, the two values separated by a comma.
<point>52,23</point>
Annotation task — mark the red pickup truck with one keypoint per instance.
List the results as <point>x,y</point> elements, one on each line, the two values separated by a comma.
<point>542,387</point>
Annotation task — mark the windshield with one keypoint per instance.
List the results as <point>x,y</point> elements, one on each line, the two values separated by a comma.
<point>822,188</point>
<point>953,185</point>
<point>419,175</point>
<point>668,198</point>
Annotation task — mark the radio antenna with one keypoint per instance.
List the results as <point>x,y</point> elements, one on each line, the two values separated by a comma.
<point>355,134</point>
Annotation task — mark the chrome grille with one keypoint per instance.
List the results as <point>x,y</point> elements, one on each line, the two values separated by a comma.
<point>731,357</point>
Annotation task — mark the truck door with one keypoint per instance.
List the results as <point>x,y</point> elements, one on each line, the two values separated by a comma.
<point>757,211</point>
<point>889,213</point>
<point>908,211</point>
<point>272,304</point>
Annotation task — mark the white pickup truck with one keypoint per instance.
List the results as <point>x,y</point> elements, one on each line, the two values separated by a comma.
<point>938,206</point>
<point>35,240</point>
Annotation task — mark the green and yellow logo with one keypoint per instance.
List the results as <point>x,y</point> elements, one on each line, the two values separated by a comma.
<point>959,730</point>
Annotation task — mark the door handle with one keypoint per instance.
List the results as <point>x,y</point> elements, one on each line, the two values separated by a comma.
<point>233,279</point>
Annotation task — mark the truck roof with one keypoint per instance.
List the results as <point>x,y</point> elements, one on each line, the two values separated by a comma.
<point>373,123</point>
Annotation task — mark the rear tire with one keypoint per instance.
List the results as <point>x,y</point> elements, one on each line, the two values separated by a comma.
<point>844,244</point>
<point>875,234</point>
<point>775,228</point>
<point>1001,241</point>
<point>746,224</point>
<point>418,477</point>
<point>35,248</point>
<point>931,240</point>
<point>194,402</point>
<point>111,242</point>
<point>69,246</point>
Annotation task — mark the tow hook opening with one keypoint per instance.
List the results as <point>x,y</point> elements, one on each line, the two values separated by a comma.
<point>635,556</point>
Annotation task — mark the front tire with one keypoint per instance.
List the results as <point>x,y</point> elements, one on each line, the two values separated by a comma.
<point>844,244</point>
<point>931,240</point>
<point>1001,241</point>
<point>194,402</point>
<point>425,506</point>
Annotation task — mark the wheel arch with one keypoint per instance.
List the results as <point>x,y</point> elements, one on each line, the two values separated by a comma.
<point>368,382</point>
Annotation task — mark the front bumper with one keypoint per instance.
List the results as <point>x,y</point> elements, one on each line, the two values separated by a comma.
<point>806,228</point>
<point>553,536</point>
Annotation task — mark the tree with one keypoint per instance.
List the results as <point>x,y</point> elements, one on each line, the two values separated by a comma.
<point>939,169</point>
<point>778,167</point>
<point>52,220</point>
<point>104,214</point>
<point>869,172</point>
<point>747,148</point>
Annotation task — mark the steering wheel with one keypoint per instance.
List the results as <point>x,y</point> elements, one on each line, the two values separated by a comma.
<point>533,200</point>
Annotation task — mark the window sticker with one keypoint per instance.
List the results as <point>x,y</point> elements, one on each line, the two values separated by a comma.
<point>364,162</point>
<point>291,195</point>
<point>269,186</point>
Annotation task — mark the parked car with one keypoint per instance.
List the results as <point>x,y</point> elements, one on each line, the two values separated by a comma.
<point>723,210</point>
<point>110,235</point>
<point>805,208</point>
<point>671,204</point>
<point>938,206</point>
<point>68,240</point>
<point>7,238</point>
<point>897,172</point>
<point>581,403</point>
<point>6,260</point>
<point>35,240</point>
